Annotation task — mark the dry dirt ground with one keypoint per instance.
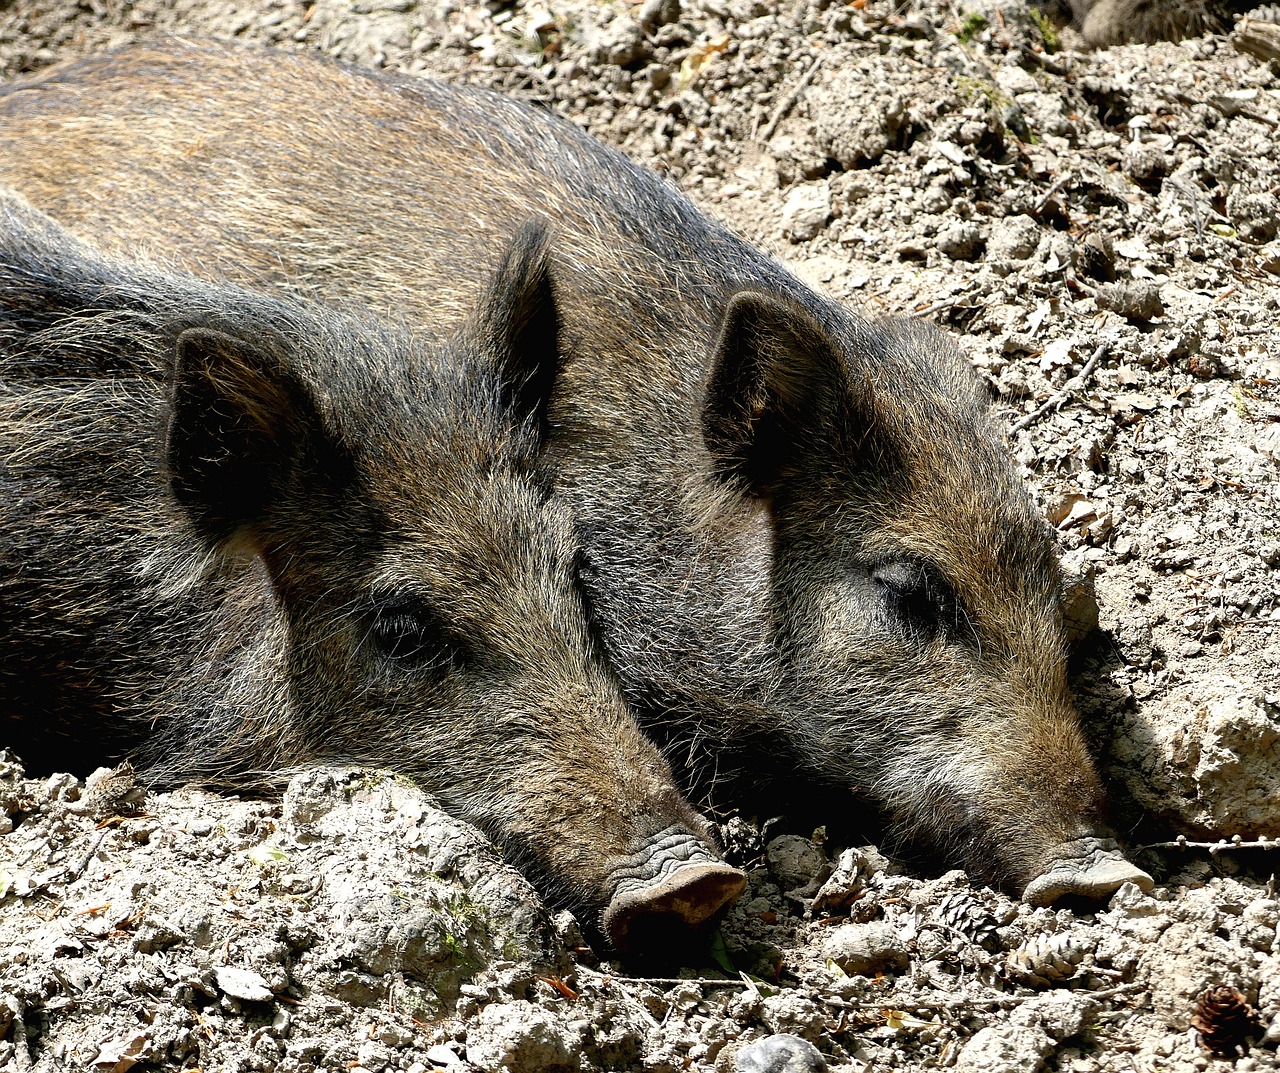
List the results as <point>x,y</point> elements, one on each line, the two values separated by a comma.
<point>1100,229</point>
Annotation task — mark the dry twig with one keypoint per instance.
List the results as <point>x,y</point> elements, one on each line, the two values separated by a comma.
<point>18,1030</point>
<point>1061,395</point>
<point>1214,848</point>
<point>1051,193</point>
<point>788,102</point>
<point>1258,38</point>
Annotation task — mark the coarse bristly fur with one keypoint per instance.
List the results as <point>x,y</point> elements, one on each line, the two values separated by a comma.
<point>805,548</point>
<point>241,534</point>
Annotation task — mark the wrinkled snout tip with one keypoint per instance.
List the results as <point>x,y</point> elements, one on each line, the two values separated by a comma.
<point>683,898</point>
<point>1092,868</point>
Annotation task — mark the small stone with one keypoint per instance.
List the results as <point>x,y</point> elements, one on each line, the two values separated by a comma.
<point>1061,1014</point>
<point>1144,162</point>
<point>621,42</point>
<point>520,1037</point>
<point>373,1056</point>
<point>782,1053</point>
<point>442,1055</point>
<point>1136,299</point>
<point>1005,1049</point>
<point>243,984</point>
<point>960,241</point>
<point>864,949</point>
<point>806,211</point>
<point>62,787</point>
<point>796,861</point>
<point>1204,366</point>
<point>655,13</point>
<point>1095,257</point>
<point>791,1013</point>
<point>1014,80</point>
<point>1079,596</point>
<point>844,886</point>
<point>1130,900</point>
<point>1013,239</point>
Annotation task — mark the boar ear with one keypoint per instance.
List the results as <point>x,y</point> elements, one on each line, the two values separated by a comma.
<point>522,325</point>
<point>238,421</point>
<point>772,374</point>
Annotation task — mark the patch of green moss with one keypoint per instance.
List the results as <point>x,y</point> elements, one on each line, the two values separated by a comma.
<point>980,91</point>
<point>970,26</point>
<point>1048,30</point>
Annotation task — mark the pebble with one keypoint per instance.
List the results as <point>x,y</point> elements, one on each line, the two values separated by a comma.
<point>442,1055</point>
<point>244,984</point>
<point>621,42</point>
<point>1013,239</point>
<point>1079,595</point>
<point>1061,1014</point>
<point>795,861</point>
<point>1005,1049</point>
<point>520,1037</point>
<point>863,949</point>
<point>806,211</point>
<point>782,1053</point>
<point>790,1012</point>
<point>960,241</point>
<point>1095,257</point>
<point>1136,299</point>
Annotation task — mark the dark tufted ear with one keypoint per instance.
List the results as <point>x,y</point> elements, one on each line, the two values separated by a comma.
<point>773,373</point>
<point>239,422</point>
<point>521,325</point>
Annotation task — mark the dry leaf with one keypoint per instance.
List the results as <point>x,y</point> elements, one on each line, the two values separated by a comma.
<point>122,1053</point>
<point>699,56</point>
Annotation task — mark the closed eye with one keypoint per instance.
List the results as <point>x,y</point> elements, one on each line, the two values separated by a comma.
<point>917,599</point>
<point>411,633</point>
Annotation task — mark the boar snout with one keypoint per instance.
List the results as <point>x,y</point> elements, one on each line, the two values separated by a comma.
<point>675,879</point>
<point>1090,867</point>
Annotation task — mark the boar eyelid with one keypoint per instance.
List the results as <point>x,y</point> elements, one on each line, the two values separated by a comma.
<point>408,630</point>
<point>923,598</point>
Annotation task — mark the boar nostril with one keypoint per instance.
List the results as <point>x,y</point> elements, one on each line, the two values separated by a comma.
<point>673,883</point>
<point>688,896</point>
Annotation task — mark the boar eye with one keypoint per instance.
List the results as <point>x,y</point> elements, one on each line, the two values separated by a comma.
<point>411,633</point>
<point>915,596</point>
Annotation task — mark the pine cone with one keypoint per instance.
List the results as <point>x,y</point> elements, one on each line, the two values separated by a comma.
<point>961,911</point>
<point>1224,1019</point>
<point>115,792</point>
<point>1045,961</point>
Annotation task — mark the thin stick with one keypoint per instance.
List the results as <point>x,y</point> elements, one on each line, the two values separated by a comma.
<point>672,981</point>
<point>1214,848</point>
<point>971,1003</point>
<point>1060,396</point>
<point>21,1055</point>
<point>787,102</point>
<point>888,1002</point>
<point>1049,194</point>
<point>1195,206</point>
